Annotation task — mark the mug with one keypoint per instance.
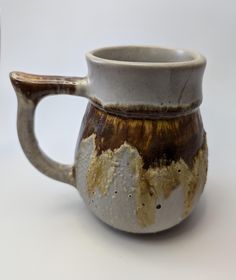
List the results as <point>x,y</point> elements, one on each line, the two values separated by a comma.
<point>141,156</point>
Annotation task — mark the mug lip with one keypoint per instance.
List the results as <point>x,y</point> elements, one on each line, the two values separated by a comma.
<point>198,58</point>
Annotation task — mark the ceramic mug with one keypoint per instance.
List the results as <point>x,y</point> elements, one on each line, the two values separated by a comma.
<point>141,157</point>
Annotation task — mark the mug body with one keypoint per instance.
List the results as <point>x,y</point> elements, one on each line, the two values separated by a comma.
<point>141,175</point>
<point>141,157</point>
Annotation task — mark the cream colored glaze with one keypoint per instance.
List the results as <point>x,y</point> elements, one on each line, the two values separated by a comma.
<point>152,183</point>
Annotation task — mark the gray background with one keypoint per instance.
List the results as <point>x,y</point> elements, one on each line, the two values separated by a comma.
<point>45,230</point>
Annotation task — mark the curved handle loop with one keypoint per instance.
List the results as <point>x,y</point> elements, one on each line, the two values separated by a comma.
<point>30,89</point>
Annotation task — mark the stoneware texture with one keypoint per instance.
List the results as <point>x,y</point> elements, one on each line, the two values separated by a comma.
<point>141,157</point>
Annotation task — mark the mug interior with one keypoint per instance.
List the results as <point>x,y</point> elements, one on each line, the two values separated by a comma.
<point>144,54</point>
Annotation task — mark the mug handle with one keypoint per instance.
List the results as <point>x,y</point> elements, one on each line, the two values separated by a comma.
<point>30,89</point>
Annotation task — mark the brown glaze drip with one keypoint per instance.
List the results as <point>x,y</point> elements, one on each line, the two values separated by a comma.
<point>35,87</point>
<point>147,111</point>
<point>159,142</point>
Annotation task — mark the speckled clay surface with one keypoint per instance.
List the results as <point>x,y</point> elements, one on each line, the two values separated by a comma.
<point>141,157</point>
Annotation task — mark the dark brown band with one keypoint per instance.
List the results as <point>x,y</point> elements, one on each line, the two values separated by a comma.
<point>159,141</point>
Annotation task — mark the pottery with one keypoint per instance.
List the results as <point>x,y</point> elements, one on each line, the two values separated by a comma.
<point>141,157</point>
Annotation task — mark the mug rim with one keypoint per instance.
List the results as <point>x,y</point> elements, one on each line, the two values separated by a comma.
<point>197,59</point>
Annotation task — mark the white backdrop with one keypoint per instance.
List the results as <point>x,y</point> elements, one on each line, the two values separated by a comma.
<point>45,230</point>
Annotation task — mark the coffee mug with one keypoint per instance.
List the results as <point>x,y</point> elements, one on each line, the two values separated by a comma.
<point>141,157</point>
